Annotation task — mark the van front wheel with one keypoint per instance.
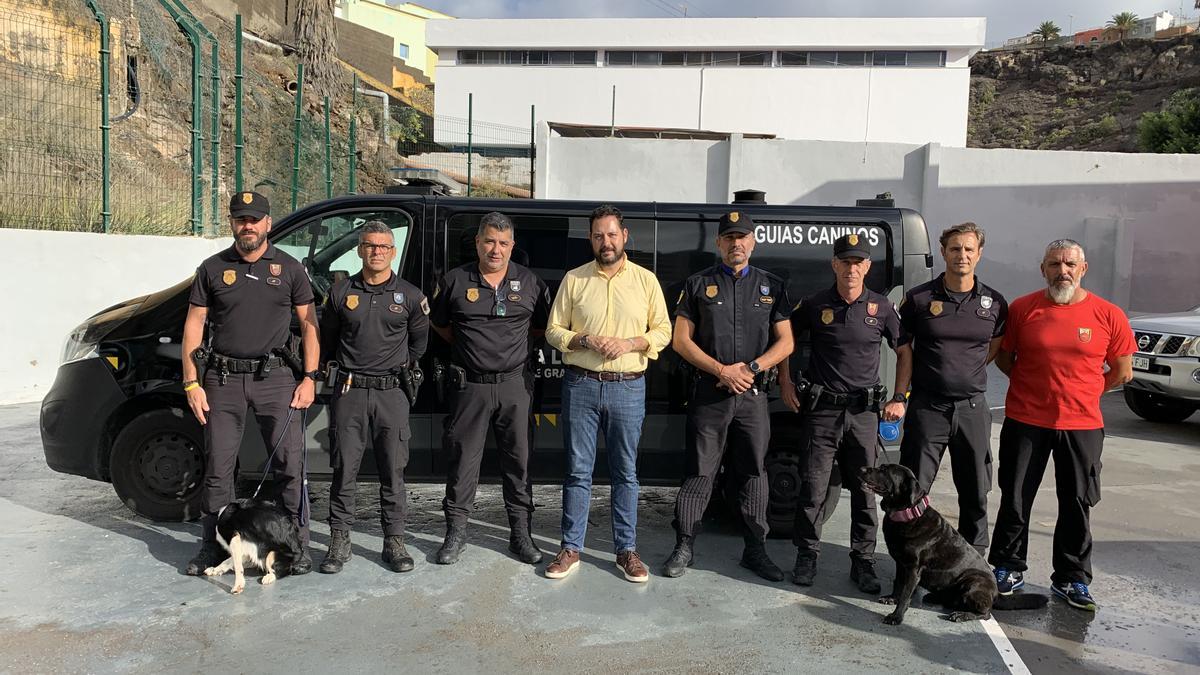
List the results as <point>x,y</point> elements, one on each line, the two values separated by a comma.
<point>157,465</point>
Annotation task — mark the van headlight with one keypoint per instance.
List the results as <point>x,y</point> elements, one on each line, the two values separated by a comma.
<point>83,341</point>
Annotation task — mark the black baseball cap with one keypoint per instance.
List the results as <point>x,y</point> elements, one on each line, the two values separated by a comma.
<point>735,222</point>
<point>249,204</point>
<point>851,246</point>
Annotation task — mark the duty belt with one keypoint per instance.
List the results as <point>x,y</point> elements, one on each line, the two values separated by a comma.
<point>862,398</point>
<point>356,381</point>
<point>605,376</point>
<point>228,365</point>
<point>491,378</point>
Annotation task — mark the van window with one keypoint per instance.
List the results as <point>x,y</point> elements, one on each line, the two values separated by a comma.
<point>328,248</point>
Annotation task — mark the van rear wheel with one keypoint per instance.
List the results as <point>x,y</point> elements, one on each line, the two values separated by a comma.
<point>783,480</point>
<point>157,465</point>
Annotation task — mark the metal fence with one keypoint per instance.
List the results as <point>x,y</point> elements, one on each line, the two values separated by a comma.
<point>135,116</point>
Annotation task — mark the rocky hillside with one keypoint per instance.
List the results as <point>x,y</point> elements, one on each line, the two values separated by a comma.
<point>1076,99</point>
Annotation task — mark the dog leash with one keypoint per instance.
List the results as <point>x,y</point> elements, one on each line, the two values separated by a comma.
<point>304,505</point>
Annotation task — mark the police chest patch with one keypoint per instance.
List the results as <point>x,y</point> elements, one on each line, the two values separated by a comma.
<point>351,302</point>
<point>827,316</point>
<point>276,269</point>
<point>935,308</point>
<point>229,276</point>
<point>398,298</point>
<point>871,321</point>
<point>872,308</point>
<point>764,289</point>
<point>710,291</point>
<point>983,313</point>
<point>985,301</point>
<point>767,300</point>
<point>515,285</point>
<point>274,281</point>
<point>1085,334</point>
<point>513,297</point>
<point>472,294</point>
<point>396,308</point>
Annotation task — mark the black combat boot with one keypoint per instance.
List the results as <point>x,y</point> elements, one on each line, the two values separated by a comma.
<point>303,564</point>
<point>338,553</point>
<point>862,572</point>
<point>755,559</point>
<point>521,543</point>
<point>395,555</point>
<point>452,547</point>
<point>210,555</point>
<point>805,569</point>
<point>680,559</point>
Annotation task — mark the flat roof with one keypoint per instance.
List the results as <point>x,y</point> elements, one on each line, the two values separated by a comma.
<point>605,131</point>
<point>709,34</point>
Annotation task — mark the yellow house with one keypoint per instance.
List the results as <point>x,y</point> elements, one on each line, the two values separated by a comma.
<point>404,23</point>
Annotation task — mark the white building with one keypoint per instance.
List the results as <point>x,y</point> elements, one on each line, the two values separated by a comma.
<point>896,80</point>
<point>1147,27</point>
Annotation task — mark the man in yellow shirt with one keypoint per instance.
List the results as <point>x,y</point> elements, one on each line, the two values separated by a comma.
<point>608,319</point>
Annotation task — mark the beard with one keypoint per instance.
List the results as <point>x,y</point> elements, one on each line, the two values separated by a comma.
<point>248,242</point>
<point>609,256</point>
<point>1061,292</point>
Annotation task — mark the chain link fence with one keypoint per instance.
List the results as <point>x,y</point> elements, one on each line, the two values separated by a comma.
<point>132,116</point>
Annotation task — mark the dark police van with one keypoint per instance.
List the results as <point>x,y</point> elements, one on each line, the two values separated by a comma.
<point>117,411</point>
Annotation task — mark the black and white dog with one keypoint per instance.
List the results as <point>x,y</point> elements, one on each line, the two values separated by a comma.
<point>932,554</point>
<point>257,533</point>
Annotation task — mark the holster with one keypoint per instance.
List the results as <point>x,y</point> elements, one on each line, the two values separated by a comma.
<point>291,354</point>
<point>456,377</point>
<point>411,378</point>
<point>200,356</point>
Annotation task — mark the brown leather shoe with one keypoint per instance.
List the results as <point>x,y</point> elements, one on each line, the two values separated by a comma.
<point>630,564</point>
<point>563,564</point>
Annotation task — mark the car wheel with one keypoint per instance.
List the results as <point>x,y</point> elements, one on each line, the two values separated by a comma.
<point>783,480</point>
<point>1156,407</point>
<point>157,465</point>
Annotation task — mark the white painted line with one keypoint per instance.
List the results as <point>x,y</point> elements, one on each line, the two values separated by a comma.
<point>1007,652</point>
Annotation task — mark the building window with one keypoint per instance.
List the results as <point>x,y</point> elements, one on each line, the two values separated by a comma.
<point>891,58</point>
<point>926,59</point>
<point>673,58</point>
<point>402,50</point>
<point>754,58</point>
<point>793,58</point>
<point>533,57</point>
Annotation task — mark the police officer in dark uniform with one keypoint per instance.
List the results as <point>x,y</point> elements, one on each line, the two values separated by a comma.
<point>374,329</point>
<point>841,398</point>
<point>956,324</point>
<point>246,296</point>
<point>487,311</point>
<point>731,324</point>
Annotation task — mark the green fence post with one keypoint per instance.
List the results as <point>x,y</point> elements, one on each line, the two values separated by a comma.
<point>193,37</point>
<point>532,146</point>
<point>328,155</point>
<point>353,158</point>
<point>214,135</point>
<point>296,134</point>
<point>470,111</point>
<point>105,126</point>
<point>238,76</point>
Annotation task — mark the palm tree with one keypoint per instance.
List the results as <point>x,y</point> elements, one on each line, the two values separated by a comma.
<point>1046,32</point>
<point>1121,24</point>
<point>316,45</point>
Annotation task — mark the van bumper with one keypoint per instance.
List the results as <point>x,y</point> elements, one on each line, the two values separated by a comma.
<point>73,416</point>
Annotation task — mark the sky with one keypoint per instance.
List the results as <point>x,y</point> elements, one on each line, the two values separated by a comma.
<point>1006,19</point>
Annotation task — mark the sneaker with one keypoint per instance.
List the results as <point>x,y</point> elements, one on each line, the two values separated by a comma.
<point>1076,594</point>
<point>630,564</point>
<point>1008,581</point>
<point>563,564</point>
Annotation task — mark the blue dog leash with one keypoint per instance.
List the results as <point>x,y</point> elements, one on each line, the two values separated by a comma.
<point>304,507</point>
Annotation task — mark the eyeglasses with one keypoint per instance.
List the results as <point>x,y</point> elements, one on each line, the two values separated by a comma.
<point>371,248</point>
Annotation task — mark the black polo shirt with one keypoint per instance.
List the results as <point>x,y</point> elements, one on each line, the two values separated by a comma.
<point>733,313</point>
<point>374,330</point>
<point>486,340</point>
<point>845,337</point>
<point>250,304</point>
<point>951,339</point>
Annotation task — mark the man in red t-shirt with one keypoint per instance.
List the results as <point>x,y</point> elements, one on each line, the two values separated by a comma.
<point>1054,352</point>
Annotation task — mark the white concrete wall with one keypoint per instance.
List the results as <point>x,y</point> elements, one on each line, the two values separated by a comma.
<point>54,280</point>
<point>1137,215</point>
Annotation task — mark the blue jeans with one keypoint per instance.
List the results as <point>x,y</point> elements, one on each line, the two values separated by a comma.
<point>618,409</point>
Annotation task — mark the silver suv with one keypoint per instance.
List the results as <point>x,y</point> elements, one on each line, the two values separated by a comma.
<point>1166,366</point>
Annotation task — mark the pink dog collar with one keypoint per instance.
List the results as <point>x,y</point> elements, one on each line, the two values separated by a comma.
<point>911,513</point>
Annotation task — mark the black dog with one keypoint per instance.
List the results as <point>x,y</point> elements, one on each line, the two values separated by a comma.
<point>929,552</point>
<point>259,533</point>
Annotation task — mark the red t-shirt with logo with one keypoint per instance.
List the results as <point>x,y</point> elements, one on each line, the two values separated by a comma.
<point>1058,377</point>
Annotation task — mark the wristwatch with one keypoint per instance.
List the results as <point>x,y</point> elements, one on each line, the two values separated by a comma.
<point>583,342</point>
<point>900,398</point>
<point>313,375</point>
<point>754,367</point>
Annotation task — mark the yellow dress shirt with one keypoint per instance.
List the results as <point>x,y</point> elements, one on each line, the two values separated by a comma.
<point>629,304</point>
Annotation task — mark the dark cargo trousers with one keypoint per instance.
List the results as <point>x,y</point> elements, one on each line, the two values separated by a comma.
<point>718,420</point>
<point>228,403</point>
<point>931,425</point>
<point>504,408</point>
<point>377,418</point>
<point>1024,452</point>
<point>849,435</point>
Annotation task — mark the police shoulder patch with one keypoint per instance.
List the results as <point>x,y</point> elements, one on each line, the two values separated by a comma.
<point>425,306</point>
<point>680,297</point>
